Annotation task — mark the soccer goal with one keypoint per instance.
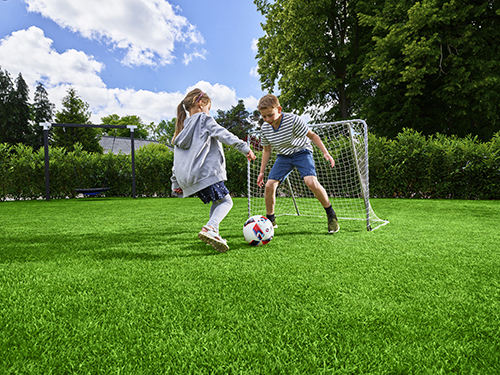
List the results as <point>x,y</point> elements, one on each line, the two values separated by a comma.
<point>347,184</point>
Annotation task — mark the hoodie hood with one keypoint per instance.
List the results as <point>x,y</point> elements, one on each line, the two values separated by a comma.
<point>184,139</point>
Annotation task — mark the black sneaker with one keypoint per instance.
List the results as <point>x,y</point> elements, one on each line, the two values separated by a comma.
<point>333,225</point>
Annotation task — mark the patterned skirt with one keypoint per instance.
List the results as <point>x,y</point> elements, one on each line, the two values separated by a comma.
<point>213,192</point>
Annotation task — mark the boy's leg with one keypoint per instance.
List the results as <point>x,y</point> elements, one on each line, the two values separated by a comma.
<point>320,193</point>
<point>318,190</point>
<point>270,199</point>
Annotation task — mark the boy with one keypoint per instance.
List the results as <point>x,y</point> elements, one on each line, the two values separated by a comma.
<point>292,139</point>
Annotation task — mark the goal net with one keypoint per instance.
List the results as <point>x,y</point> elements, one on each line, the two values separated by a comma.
<point>346,184</point>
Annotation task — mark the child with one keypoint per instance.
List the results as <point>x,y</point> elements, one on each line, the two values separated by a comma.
<point>199,163</point>
<point>292,139</point>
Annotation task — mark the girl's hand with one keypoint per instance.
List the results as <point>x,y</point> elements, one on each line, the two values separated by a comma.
<point>178,191</point>
<point>251,156</point>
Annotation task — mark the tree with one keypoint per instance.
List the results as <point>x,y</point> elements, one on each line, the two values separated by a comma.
<point>14,109</point>
<point>75,111</point>
<point>163,132</point>
<point>236,120</point>
<point>114,119</point>
<point>6,87</point>
<point>313,51</point>
<point>436,64</point>
<point>42,111</point>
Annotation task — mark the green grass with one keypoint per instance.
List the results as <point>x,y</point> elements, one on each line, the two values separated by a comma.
<point>123,286</point>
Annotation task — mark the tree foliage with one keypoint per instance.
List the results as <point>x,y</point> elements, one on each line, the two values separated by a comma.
<point>430,65</point>
<point>436,64</point>
<point>237,120</point>
<point>42,111</point>
<point>15,112</point>
<point>114,119</point>
<point>312,50</point>
<point>75,111</point>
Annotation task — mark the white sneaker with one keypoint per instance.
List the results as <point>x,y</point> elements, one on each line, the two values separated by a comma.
<point>214,239</point>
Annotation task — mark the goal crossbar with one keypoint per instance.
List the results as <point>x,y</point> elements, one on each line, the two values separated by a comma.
<point>347,184</point>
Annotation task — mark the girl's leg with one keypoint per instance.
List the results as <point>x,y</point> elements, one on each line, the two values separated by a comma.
<point>218,212</point>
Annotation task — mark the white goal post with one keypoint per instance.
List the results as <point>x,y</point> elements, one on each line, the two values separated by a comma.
<point>346,184</point>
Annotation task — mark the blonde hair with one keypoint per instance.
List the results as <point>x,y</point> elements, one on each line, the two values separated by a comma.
<point>190,100</point>
<point>268,101</point>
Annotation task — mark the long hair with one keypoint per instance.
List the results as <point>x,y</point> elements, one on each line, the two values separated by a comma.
<point>190,100</point>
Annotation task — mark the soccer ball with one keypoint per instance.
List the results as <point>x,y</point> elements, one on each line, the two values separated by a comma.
<point>258,230</point>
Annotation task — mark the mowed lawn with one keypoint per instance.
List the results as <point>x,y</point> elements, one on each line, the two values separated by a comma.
<point>124,286</point>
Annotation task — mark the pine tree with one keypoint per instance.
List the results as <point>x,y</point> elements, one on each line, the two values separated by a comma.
<point>43,111</point>
<point>6,87</point>
<point>75,111</point>
<point>16,111</point>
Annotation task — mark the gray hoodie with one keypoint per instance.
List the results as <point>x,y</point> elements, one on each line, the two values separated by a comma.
<point>198,155</point>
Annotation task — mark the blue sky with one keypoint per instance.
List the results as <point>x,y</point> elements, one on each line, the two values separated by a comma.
<point>134,57</point>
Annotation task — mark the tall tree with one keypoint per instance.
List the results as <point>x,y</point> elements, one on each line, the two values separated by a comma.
<point>15,108</point>
<point>313,51</point>
<point>436,65</point>
<point>75,111</point>
<point>42,111</point>
<point>236,120</point>
<point>6,87</point>
<point>114,119</point>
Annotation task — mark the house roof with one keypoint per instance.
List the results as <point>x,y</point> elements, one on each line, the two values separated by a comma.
<point>115,144</point>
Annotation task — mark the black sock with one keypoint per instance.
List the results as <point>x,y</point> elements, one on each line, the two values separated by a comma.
<point>271,217</point>
<point>330,212</point>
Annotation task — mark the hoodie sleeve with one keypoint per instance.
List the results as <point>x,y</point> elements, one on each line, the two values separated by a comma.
<point>225,136</point>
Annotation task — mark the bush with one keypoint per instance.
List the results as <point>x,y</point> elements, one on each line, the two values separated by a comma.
<point>409,166</point>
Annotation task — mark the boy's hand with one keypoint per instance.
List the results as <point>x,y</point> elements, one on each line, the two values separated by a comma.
<point>178,191</point>
<point>260,180</point>
<point>251,156</point>
<point>330,159</point>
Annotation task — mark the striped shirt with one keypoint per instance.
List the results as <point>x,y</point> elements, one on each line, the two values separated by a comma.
<point>289,138</point>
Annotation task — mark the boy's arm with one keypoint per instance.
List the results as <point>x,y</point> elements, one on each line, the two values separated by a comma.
<point>266,154</point>
<point>318,142</point>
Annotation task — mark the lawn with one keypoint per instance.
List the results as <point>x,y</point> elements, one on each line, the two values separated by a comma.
<point>124,286</point>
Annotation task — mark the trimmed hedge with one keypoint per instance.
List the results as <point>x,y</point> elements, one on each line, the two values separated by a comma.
<point>409,166</point>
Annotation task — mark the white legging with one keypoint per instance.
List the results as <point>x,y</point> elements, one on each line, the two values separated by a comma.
<point>219,210</point>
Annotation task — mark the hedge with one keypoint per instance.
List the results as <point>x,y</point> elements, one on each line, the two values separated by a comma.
<point>409,166</point>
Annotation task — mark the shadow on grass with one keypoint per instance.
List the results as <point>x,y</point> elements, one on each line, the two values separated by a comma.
<point>132,245</point>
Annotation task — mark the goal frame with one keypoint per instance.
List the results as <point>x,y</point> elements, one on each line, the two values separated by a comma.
<point>359,168</point>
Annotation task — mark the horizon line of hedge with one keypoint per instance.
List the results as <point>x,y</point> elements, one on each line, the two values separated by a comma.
<point>409,166</point>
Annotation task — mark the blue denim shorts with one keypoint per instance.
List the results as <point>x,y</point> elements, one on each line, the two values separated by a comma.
<point>302,160</point>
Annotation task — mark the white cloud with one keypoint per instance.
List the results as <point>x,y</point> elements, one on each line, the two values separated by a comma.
<point>255,48</point>
<point>254,72</point>
<point>31,53</point>
<point>147,30</point>
<point>189,57</point>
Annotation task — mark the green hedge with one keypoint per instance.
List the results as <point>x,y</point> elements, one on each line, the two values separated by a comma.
<point>415,166</point>
<point>409,166</point>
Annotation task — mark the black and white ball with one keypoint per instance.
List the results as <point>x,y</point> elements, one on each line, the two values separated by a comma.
<point>258,230</point>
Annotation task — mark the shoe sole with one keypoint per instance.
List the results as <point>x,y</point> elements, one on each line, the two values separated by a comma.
<point>221,247</point>
<point>334,231</point>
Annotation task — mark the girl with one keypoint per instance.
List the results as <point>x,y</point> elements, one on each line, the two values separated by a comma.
<point>199,163</point>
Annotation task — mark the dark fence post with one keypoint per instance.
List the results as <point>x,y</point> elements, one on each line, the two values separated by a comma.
<point>132,147</point>
<point>46,127</point>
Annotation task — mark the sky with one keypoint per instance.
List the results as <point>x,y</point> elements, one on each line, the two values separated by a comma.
<point>134,57</point>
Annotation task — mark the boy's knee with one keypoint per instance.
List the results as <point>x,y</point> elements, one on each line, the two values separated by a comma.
<point>312,182</point>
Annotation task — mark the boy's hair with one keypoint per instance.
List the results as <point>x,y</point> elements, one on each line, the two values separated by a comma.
<point>191,99</point>
<point>268,101</point>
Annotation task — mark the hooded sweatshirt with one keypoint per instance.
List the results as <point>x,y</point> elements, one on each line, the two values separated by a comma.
<point>198,155</point>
